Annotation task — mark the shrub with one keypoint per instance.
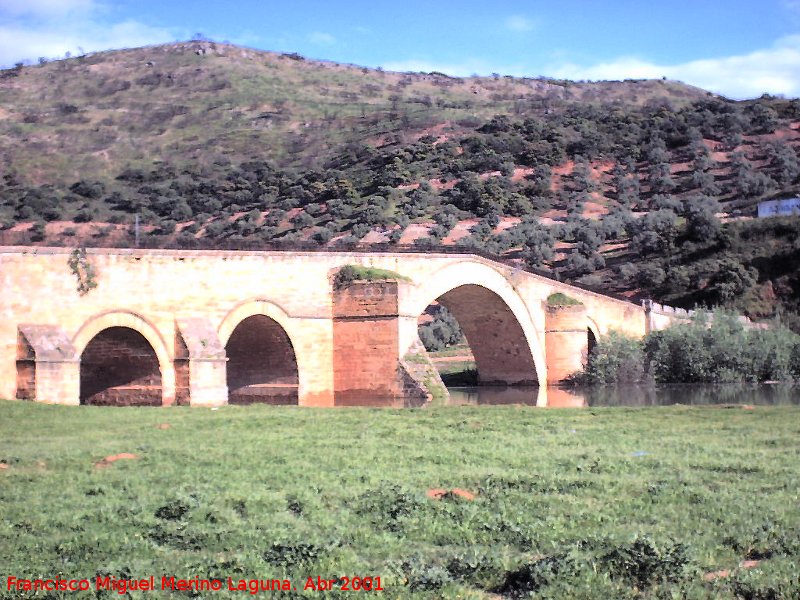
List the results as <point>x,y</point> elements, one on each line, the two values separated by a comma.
<point>559,299</point>
<point>442,331</point>
<point>718,348</point>
<point>350,273</point>
<point>642,563</point>
<point>531,577</point>
<point>616,358</point>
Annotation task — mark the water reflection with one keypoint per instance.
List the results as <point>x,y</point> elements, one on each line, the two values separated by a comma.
<point>694,395</point>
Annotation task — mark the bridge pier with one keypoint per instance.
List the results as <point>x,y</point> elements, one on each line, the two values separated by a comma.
<point>200,364</point>
<point>367,368</point>
<point>566,341</point>
<point>48,369</point>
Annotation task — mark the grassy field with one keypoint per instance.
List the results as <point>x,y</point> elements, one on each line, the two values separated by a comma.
<point>600,503</point>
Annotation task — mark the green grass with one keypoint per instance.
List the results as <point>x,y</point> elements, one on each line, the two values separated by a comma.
<point>601,503</point>
<point>457,350</point>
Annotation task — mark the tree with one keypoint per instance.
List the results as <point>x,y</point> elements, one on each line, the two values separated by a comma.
<point>730,280</point>
<point>537,242</point>
<point>763,118</point>
<point>588,240</point>
<point>446,218</point>
<point>655,232</point>
<point>442,331</point>
<point>660,178</point>
<point>704,180</point>
<point>784,160</point>
<point>616,359</point>
<point>702,223</point>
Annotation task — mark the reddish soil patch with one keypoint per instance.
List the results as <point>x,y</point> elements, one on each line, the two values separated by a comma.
<point>112,458</point>
<point>507,223</point>
<point>553,214</point>
<point>745,564</point>
<point>720,157</point>
<point>374,237</point>
<point>679,167</point>
<point>414,231</point>
<point>564,169</point>
<point>163,426</point>
<point>461,230</point>
<point>3,466</point>
<point>594,210</point>
<point>437,184</point>
<point>441,494</point>
<point>521,173</point>
<point>602,167</point>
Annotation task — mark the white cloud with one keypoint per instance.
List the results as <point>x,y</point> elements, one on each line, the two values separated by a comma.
<point>519,23</point>
<point>51,28</point>
<point>774,70</point>
<point>17,44</point>
<point>321,38</point>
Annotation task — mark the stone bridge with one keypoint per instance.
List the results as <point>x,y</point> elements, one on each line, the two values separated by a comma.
<point>210,327</point>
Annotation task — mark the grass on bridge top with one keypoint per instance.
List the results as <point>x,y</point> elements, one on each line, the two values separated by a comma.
<point>595,503</point>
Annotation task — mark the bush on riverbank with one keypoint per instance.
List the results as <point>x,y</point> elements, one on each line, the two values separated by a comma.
<point>713,348</point>
<point>617,358</point>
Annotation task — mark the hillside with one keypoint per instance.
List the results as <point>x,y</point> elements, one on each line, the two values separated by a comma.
<point>641,187</point>
<point>197,103</point>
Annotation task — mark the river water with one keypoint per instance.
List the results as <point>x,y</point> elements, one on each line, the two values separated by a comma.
<point>695,395</point>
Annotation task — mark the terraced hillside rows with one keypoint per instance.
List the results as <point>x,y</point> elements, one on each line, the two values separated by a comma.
<point>644,187</point>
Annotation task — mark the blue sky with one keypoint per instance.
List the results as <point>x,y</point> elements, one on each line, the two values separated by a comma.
<point>740,48</point>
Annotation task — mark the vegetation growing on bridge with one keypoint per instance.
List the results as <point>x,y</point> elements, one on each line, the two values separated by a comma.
<point>83,271</point>
<point>601,503</point>
<point>350,273</point>
<point>720,351</point>
<point>561,299</point>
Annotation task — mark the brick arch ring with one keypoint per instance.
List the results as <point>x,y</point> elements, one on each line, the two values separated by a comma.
<point>131,320</point>
<point>258,306</point>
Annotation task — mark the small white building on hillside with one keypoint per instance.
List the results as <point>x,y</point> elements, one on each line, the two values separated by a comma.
<point>779,208</point>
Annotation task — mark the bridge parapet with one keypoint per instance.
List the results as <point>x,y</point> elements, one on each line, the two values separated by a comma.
<point>660,316</point>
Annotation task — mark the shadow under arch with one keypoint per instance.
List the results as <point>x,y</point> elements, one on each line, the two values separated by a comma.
<point>124,360</point>
<point>494,318</point>
<point>592,337</point>
<point>262,364</point>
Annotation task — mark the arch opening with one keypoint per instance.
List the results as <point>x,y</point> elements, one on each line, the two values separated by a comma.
<point>262,367</point>
<point>119,367</point>
<point>474,339</point>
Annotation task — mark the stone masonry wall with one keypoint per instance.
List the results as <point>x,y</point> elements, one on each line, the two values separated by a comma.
<point>365,338</point>
<point>150,290</point>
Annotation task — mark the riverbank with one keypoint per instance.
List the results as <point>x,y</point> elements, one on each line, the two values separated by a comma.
<point>451,501</point>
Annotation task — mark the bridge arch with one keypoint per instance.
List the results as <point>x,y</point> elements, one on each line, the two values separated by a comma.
<point>263,365</point>
<point>110,335</point>
<point>495,319</point>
